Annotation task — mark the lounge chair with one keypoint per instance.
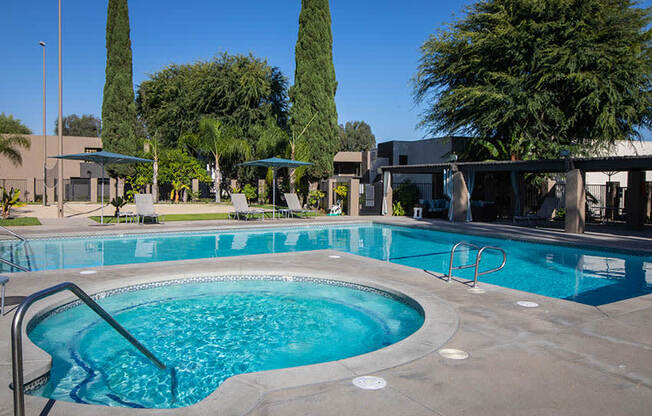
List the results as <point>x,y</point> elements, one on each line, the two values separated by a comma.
<point>294,206</point>
<point>242,210</point>
<point>545,213</point>
<point>145,207</point>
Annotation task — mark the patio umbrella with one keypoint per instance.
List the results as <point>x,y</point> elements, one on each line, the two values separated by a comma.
<point>275,163</point>
<point>102,158</point>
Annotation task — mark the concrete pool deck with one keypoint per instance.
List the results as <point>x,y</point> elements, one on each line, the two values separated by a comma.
<point>562,358</point>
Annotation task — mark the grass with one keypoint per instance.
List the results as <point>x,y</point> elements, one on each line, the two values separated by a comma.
<point>172,217</point>
<point>185,217</point>
<point>15,222</point>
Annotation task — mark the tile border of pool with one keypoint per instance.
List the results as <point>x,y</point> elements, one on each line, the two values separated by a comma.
<point>440,324</point>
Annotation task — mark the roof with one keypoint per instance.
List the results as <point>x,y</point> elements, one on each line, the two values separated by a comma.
<point>348,157</point>
<point>592,164</point>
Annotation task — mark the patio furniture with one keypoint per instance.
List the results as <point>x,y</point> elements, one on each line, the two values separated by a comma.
<point>434,207</point>
<point>145,207</point>
<point>545,212</point>
<point>241,208</point>
<point>294,206</point>
<point>418,213</point>
<point>129,217</point>
<point>3,282</point>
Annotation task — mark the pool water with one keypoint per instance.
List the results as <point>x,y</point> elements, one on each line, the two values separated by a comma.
<point>208,331</point>
<point>589,276</point>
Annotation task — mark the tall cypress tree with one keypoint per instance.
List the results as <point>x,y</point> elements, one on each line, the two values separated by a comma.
<point>314,87</point>
<point>118,105</point>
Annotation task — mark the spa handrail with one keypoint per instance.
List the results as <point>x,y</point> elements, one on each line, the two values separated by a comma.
<point>17,336</point>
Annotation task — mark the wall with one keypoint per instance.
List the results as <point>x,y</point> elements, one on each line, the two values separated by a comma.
<point>32,166</point>
<point>622,148</point>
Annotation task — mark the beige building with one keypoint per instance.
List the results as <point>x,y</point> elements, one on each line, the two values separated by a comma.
<point>28,176</point>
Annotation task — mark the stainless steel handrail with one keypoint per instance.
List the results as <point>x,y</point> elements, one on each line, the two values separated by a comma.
<point>466,266</point>
<point>479,257</point>
<point>18,236</point>
<point>12,264</point>
<point>17,336</point>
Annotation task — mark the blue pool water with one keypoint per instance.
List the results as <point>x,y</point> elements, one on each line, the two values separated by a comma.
<point>583,275</point>
<point>208,331</point>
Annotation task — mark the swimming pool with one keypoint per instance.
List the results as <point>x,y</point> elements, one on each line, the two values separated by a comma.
<point>208,329</point>
<point>583,275</point>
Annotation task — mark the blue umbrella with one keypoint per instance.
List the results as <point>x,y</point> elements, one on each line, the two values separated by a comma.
<point>275,163</point>
<point>102,158</point>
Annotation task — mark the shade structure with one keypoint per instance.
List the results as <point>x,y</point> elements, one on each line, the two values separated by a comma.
<point>102,158</point>
<point>275,163</point>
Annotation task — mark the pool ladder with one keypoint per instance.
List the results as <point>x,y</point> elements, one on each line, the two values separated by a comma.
<point>9,262</point>
<point>478,257</point>
<point>17,337</point>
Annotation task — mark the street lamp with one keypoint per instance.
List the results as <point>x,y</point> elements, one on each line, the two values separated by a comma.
<point>45,140</point>
<point>60,130</point>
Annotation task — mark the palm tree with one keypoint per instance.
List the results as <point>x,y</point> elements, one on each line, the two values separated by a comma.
<point>9,145</point>
<point>218,140</point>
<point>153,150</point>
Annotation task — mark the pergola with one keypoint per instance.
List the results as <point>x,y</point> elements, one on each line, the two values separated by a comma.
<point>574,168</point>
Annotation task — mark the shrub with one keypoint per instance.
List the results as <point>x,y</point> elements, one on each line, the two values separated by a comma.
<point>407,194</point>
<point>397,209</point>
<point>250,192</point>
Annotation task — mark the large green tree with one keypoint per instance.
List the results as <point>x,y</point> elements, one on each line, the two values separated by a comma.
<point>87,125</point>
<point>118,105</point>
<point>239,90</point>
<point>313,92</point>
<point>529,78</point>
<point>356,136</point>
<point>12,139</point>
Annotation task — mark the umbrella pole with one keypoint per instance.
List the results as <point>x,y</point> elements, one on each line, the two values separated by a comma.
<point>102,206</point>
<point>274,193</point>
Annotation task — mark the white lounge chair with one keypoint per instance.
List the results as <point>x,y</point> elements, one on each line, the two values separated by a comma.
<point>242,210</point>
<point>294,206</point>
<point>545,213</point>
<point>145,207</point>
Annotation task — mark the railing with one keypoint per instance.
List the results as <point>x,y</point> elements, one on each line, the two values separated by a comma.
<point>18,236</point>
<point>478,258</point>
<point>9,262</point>
<point>14,265</point>
<point>17,337</point>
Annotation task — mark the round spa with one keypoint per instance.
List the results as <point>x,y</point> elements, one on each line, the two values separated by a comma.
<point>208,329</point>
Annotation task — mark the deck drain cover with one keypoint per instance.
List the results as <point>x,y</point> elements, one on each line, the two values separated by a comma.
<point>527,304</point>
<point>334,256</point>
<point>87,272</point>
<point>454,354</point>
<point>369,383</point>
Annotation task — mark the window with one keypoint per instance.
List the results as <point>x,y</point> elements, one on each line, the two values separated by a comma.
<point>402,160</point>
<point>92,149</point>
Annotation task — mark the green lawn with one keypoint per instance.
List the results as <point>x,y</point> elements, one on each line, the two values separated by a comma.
<point>186,217</point>
<point>14,222</point>
<point>173,217</point>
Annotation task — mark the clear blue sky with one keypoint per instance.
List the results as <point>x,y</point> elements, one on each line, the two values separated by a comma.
<point>375,47</point>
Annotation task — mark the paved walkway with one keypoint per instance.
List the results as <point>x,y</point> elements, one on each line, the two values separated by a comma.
<point>84,209</point>
<point>562,358</point>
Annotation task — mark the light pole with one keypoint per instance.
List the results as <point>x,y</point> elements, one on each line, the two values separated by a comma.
<point>60,130</point>
<point>45,139</point>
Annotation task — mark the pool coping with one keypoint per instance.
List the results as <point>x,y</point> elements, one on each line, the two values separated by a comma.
<point>591,241</point>
<point>244,391</point>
